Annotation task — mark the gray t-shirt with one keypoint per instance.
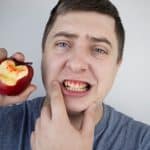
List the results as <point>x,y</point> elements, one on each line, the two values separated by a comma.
<point>114,132</point>
<point>117,131</point>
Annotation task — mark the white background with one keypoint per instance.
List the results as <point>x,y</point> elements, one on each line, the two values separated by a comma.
<point>21,27</point>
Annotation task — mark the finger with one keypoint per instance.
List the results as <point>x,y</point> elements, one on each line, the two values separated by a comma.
<point>19,56</point>
<point>3,53</point>
<point>9,100</point>
<point>37,124</point>
<point>58,107</point>
<point>91,117</point>
<point>32,141</point>
<point>27,92</point>
<point>45,114</point>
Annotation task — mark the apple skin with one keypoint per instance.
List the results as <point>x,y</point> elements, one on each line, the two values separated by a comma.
<point>21,84</point>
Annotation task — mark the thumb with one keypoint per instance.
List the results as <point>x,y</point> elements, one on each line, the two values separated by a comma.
<point>9,100</point>
<point>27,92</point>
<point>91,117</point>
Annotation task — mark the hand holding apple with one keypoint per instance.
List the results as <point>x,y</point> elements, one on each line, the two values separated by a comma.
<point>15,78</point>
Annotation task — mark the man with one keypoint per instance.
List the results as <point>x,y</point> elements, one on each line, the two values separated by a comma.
<point>82,51</point>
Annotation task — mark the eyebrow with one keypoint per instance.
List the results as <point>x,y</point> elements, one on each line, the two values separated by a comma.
<point>65,34</point>
<point>91,38</point>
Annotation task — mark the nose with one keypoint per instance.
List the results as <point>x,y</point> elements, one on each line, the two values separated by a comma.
<point>77,62</point>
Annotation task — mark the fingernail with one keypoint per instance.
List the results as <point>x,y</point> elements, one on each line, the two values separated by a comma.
<point>3,52</point>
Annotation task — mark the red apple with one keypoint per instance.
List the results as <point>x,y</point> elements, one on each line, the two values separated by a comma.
<point>15,76</point>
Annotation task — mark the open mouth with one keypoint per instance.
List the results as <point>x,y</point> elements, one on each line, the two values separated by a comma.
<point>76,86</point>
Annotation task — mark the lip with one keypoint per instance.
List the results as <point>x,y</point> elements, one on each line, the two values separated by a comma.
<point>74,93</point>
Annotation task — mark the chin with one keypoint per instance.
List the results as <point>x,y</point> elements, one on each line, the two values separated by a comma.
<point>74,112</point>
<point>75,108</point>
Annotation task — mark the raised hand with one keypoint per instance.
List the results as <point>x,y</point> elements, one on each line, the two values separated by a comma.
<point>8,100</point>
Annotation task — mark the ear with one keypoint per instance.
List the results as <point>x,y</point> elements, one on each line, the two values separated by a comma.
<point>119,62</point>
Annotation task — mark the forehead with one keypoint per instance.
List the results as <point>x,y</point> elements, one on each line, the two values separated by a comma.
<point>86,23</point>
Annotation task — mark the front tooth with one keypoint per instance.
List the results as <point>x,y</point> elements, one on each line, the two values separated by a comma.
<point>75,86</point>
<point>75,89</point>
<point>71,85</point>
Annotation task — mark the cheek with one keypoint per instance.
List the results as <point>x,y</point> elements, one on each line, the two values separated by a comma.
<point>105,75</point>
<point>51,67</point>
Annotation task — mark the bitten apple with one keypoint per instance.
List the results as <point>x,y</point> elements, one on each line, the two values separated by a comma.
<point>15,76</point>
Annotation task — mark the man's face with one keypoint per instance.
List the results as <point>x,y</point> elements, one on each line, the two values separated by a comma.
<point>81,53</point>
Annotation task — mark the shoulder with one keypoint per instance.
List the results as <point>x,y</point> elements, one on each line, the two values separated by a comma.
<point>24,113</point>
<point>35,103</point>
<point>121,118</point>
<point>125,121</point>
<point>17,122</point>
<point>29,107</point>
<point>136,131</point>
<point>123,130</point>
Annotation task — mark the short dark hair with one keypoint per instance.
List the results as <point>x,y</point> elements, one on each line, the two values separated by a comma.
<point>100,6</point>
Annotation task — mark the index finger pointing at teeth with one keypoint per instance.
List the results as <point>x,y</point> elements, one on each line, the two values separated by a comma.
<point>58,107</point>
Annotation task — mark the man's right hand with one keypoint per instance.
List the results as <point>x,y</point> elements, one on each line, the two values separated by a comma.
<point>9,100</point>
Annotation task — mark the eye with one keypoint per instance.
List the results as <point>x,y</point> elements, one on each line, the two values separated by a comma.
<point>62,44</point>
<point>100,50</point>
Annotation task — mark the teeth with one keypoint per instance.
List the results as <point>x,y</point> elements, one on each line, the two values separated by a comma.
<point>75,85</point>
<point>72,86</point>
<point>75,89</point>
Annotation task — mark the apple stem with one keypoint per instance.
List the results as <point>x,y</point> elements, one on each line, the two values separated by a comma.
<point>28,63</point>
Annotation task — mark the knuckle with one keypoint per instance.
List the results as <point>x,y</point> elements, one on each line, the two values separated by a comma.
<point>19,56</point>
